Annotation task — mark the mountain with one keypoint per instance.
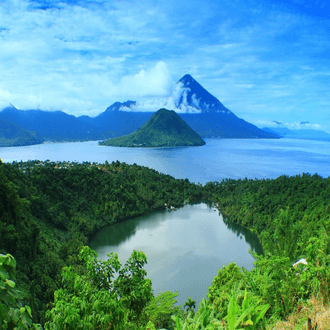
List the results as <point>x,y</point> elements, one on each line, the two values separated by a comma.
<point>12,135</point>
<point>164,129</point>
<point>205,114</point>
<point>307,134</point>
<point>52,125</point>
<point>196,96</point>
<point>279,131</point>
<point>116,121</point>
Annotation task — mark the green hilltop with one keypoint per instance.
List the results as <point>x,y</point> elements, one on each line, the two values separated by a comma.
<point>164,129</point>
<point>12,135</point>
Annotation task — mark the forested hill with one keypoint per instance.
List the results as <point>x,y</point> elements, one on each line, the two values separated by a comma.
<point>280,211</point>
<point>164,129</point>
<point>12,135</point>
<point>49,210</point>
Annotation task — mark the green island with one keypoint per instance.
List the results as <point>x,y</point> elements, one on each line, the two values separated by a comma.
<point>164,129</point>
<point>51,279</point>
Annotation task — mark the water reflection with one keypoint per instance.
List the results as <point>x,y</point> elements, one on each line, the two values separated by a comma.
<point>241,232</point>
<point>185,247</point>
<point>119,233</point>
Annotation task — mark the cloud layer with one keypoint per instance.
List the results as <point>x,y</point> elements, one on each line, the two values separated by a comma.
<point>263,60</point>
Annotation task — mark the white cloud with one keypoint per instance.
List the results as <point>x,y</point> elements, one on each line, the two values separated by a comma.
<point>156,81</point>
<point>260,60</point>
<point>4,94</point>
<point>299,125</point>
<point>170,102</point>
<point>292,125</point>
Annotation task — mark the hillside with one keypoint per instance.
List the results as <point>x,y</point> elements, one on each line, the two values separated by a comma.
<point>12,135</point>
<point>49,210</point>
<point>51,125</point>
<point>196,96</point>
<point>164,129</point>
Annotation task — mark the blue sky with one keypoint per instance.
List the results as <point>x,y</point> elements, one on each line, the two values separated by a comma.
<point>264,60</point>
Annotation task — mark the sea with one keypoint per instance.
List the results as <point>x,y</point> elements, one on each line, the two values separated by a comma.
<point>217,160</point>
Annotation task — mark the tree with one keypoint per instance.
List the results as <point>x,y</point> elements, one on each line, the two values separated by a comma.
<point>13,314</point>
<point>160,310</point>
<point>94,299</point>
<point>191,304</point>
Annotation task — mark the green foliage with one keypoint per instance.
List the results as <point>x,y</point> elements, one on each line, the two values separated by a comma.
<point>95,300</point>
<point>190,304</point>
<point>13,314</point>
<point>229,303</point>
<point>164,129</point>
<point>248,313</point>
<point>135,291</point>
<point>203,319</point>
<point>284,240</point>
<point>222,285</point>
<point>256,204</point>
<point>317,273</point>
<point>291,215</point>
<point>160,309</point>
<point>20,236</point>
<point>49,210</point>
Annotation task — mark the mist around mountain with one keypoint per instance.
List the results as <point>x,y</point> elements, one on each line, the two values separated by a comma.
<point>11,135</point>
<point>115,121</point>
<point>164,129</point>
<point>203,112</point>
<point>307,134</point>
<point>196,96</point>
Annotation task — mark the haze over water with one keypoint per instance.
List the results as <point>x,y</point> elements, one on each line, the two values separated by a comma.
<point>217,160</point>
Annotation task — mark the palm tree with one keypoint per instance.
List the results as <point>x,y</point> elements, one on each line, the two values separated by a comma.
<point>191,304</point>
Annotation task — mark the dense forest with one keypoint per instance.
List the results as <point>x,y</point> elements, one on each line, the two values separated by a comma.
<point>291,216</point>
<point>49,276</point>
<point>164,129</point>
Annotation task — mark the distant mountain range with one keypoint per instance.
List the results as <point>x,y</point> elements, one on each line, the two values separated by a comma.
<point>164,129</point>
<point>307,134</point>
<point>205,114</point>
<point>51,125</point>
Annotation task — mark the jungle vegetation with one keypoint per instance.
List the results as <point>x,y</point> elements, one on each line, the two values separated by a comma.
<point>50,278</point>
<point>164,129</point>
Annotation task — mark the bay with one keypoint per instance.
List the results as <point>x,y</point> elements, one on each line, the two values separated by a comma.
<point>185,248</point>
<point>217,160</point>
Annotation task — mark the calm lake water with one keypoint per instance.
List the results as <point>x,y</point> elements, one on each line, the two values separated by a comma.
<point>185,248</point>
<point>218,159</point>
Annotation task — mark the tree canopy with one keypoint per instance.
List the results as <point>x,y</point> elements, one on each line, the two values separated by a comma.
<point>49,210</point>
